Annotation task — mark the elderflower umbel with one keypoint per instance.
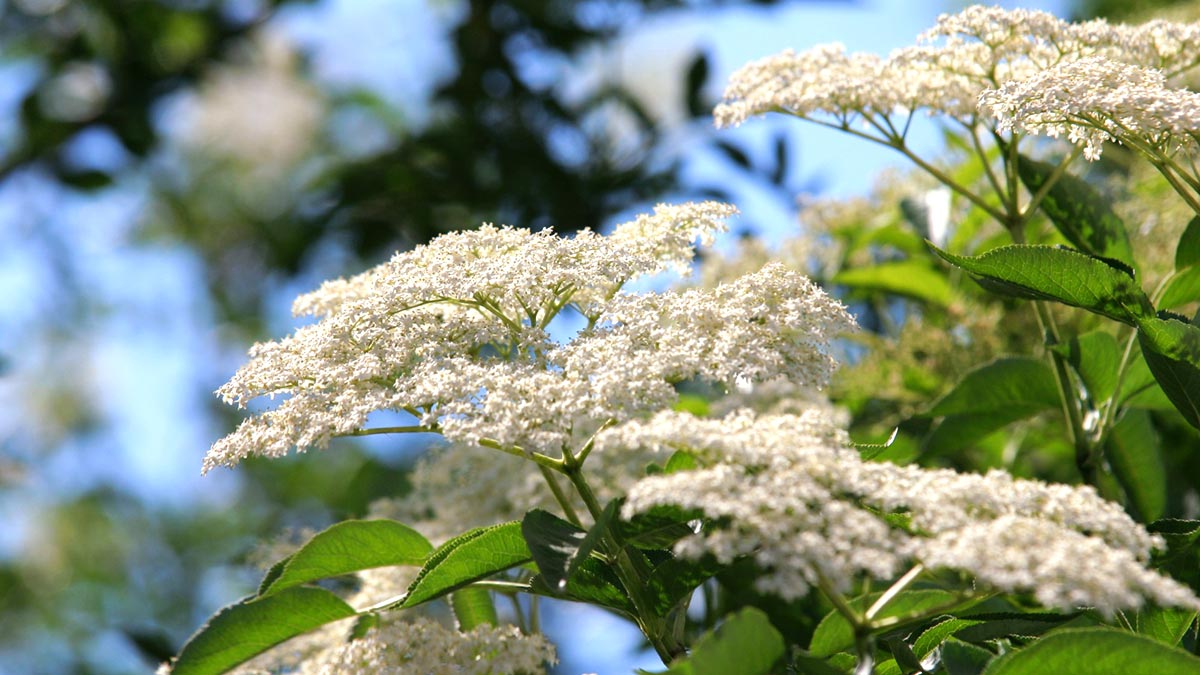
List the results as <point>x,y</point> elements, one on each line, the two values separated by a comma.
<point>790,493</point>
<point>962,56</point>
<point>1096,100</point>
<point>455,333</point>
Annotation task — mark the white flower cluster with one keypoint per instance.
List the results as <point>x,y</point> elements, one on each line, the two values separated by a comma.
<point>789,492</point>
<point>963,56</point>
<point>1094,100</point>
<point>428,648</point>
<point>456,333</point>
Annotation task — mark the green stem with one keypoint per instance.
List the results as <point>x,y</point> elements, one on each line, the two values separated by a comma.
<point>414,429</point>
<point>892,591</point>
<point>518,451</point>
<point>560,496</point>
<point>631,572</point>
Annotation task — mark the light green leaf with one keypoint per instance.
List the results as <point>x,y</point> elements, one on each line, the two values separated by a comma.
<point>834,633</point>
<point>1134,452</point>
<point>1181,290</point>
<point>1167,625</point>
<point>909,278</point>
<point>1187,251</point>
<point>1006,383</point>
<point>988,398</point>
<point>473,607</point>
<point>1095,356</point>
<point>469,557</point>
<point>1095,651</point>
<point>245,629</point>
<point>744,643</point>
<point>1172,351</point>
<point>1080,212</point>
<point>1063,275</point>
<point>348,547</point>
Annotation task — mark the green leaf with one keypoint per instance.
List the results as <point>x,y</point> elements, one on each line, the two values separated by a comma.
<point>909,278</point>
<point>1007,383</point>
<point>554,544</point>
<point>1172,351</point>
<point>1167,625</point>
<point>348,547</point>
<point>469,557</point>
<point>1080,212</point>
<point>250,627</point>
<point>591,582</point>
<point>1182,289</point>
<point>473,607</point>
<point>1063,275</point>
<point>1187,251</point>
<point>988,398</point>
<point>1134,451</point>
<point>658,528</point>
<point>691,403</point>
<point>745,643</point>
<point>961,658</point>
<point>807,664</point>
<point>681,460</point>
<point>835,634</point>
<point>676,578</point>
<point>997,625</point>
<point>1095,651</point>
<point>1095,356</point>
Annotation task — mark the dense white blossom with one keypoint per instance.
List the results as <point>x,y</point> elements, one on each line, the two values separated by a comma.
<point>952,64</point>
<point>1096,100</point>
<point>456,334</point>
<point>789,492</point>
<point>427,648</point>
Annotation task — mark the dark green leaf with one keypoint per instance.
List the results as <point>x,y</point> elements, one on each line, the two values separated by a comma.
<point>1187,252</point>
<point>468,557</point>
<point>745,643</point>
<point>1167,625</point>
<point>554,544</point>
<point>1172,351</point>
<point>362,625</point>
<point>658,528</point>
<point>245,629</point>
<point>1063,275</point>
<point>1080,212</point>
<point>591,582</point>
<point>835,634</point>
<point>1095,356</point>
<point>903,654</point>
<point>960,658</point>
<point>1134,452</point>
<point>675,579</point>
<point>1009,624</point>
<point>909,278</point>
<point>1181,290</point>
<point>348,547</point>
<point>1182,537</point>
<point>473,607</point>
<point>1095,651</point>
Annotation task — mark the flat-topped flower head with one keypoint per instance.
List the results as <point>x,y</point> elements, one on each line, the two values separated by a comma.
<point>1095,100</point>
<point>457,334</point>
<point>790,493</point>
<point>944,73</point>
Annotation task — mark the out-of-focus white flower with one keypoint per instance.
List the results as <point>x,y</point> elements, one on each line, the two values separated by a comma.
<point>259,113</point>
